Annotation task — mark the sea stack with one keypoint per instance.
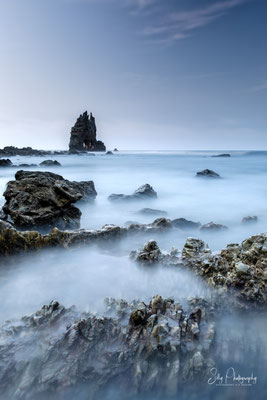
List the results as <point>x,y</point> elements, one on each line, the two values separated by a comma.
<point>83,135</point>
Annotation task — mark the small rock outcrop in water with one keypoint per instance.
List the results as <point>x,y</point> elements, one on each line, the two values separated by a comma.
<point>24,151</point>
<point>5,162</point>
<point>83,135</point>
<point>50,163</point>
<point>109,153</point>
<point>151,211</point>
<point>44,200</point>
<point>143,192</point>
<point>134,347</point>
<point>185,224</point>
<point>207,173</point>
<point>222,155</point>
<point>212,227</point>
<point>249,220</point>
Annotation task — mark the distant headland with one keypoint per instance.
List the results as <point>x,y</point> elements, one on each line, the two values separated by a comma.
<point>82,139</point>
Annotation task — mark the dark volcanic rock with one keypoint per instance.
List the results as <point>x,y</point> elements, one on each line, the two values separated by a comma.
<point>115,149</point>
<point>50,163</point>
<point>212,227</point>
<point>134,347</point>
<point>250,220</point>
<point>207,173</point>
<point>143,192</point>
<point>43,200</point>
<point>83,135</point>
<point>222,155</point>
<point>5,162</point>
<point>151,211</point>
<point>185,224</point>
<point>109,153</point>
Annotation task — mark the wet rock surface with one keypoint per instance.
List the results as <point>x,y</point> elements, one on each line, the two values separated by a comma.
<point>44,200</point>
<point>134,347</point>
<point>239,269</point>
<point>143,192</point>
<point>207,173</point>
<point>83,135</point>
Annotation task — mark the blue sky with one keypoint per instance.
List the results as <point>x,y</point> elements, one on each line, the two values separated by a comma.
<point>172,74</point>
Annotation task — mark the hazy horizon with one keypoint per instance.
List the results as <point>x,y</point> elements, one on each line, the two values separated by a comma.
<point>183,75</point>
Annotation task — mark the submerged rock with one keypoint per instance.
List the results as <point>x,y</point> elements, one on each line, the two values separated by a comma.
<point>83,135</point>
<point>151,211</point>
<point>249,220</point>
<point>134,347</point>
<point>212,227</point>
<point>5,162</point>
<point>27,165</point>
<point>207,173</point>
<point>143,192</point>
<point>222,155</point>
<point>43,200</point>
<point>50,163</point>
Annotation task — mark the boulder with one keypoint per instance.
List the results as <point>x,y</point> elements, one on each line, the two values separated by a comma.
<point>194,247</point>
<point>83,135</point>
<point>143,192</point>
<point>109,153</point>
<point>115,149</point>
<point>50,163</point>
<point>207,173</point>
<point>43,200</point>
<point>185,224</point>
<point>212,227</point>
<point>5,162</point>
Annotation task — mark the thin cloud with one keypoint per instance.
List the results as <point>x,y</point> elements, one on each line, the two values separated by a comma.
<point>260,87</point>
<point>178,25</point>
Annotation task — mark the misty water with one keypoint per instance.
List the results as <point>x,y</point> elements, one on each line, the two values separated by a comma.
<point>86,276</point>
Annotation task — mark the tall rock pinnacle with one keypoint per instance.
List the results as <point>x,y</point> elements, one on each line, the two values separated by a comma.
<point>83,135</point>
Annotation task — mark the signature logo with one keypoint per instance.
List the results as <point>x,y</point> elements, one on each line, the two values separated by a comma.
<point>231,378</point>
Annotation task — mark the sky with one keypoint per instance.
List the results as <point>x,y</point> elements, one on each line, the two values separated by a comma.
<point>156,74</point>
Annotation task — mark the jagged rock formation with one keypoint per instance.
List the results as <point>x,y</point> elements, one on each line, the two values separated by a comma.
<point>43,200</point>
<point>83,135</point>
<point>134,348</point>
<point>5,162</point>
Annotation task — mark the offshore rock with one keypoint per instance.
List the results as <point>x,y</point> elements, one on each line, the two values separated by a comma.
<point>43,200</point>
<point>5,162</point>
<point>250,220</point>
<point>134,347</point>
<point>185,224</point>
<point>25,151</point>
<point>207,173</point>
<point>151,211</point>
<point>212,227</point>
<point>50,163</point>
<point>143,192</point>
<point>222,155</point>
<point>83,135</point>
